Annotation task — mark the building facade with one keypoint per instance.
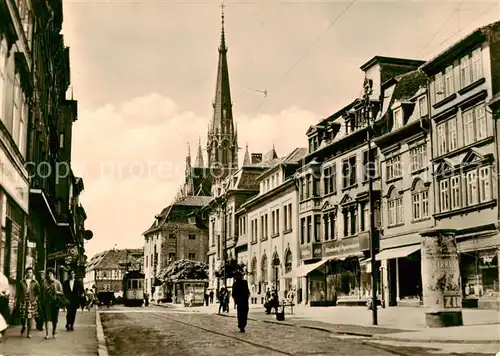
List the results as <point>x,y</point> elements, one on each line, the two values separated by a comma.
<point>105,271</point>
<point>39,196</point>
<point>178,232</point>
<point>268,224</point>
<point>334,211</point>
<point>463,85</point>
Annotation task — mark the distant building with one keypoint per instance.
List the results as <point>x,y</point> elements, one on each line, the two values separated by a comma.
<point>105,271</point>
<point>177,233</point>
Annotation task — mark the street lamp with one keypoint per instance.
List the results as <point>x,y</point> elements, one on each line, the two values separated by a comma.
<point>367,107</point>
<point>276,263</point>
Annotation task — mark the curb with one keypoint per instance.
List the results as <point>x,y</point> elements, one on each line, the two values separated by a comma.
<point>373,337</point>
<point>102,349</point>
<point>380,337</point>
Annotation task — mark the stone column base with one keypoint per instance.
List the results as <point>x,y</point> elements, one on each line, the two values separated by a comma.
<point>444,319</point>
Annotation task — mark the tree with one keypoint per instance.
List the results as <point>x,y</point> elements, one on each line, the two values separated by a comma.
<point>184,269</point>
<point>231,267</point>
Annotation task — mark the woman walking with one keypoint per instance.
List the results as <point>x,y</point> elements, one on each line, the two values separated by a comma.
<point>52,293</point>
<point>28,301</point>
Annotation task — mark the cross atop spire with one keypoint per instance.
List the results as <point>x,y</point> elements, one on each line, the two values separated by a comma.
<point>222,35</point>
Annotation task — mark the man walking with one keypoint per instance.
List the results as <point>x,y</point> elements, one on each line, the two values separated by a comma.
<point>73,290</point>
<point>241,293</point>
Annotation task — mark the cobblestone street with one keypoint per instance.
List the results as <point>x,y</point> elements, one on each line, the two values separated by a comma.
<point>157,331</point>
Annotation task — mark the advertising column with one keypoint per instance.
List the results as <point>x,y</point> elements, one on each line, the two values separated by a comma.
<point>441,279</point>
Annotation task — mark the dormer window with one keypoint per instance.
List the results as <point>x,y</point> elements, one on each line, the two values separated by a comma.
<point>422,106</point>
<point>398,118</point>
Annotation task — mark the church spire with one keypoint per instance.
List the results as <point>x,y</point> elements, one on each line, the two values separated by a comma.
<point>199,155</point>
<point>222,146</point>
<point>246,158</point>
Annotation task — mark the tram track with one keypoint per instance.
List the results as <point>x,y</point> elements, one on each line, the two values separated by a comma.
<point>393,350</point>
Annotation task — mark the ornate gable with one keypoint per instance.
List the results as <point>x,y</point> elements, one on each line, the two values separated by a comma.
<point>475,156</point>
<point>346,200</point>
<point>446,166</point>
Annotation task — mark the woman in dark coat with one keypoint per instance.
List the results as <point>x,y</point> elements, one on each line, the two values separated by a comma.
<point>52,292</point>
<point>28,300</point>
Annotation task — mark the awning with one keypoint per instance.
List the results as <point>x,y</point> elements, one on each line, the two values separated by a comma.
<point>397,252</point>
<point>304,270</point>
<point>478,244</point>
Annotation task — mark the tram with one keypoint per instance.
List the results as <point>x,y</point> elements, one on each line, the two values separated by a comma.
<point>133,289</point>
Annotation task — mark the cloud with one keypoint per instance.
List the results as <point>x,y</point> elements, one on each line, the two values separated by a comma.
<point>132,159</point>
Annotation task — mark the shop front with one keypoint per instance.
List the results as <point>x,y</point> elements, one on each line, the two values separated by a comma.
<point>14,202</point>
<point>346,282</point>
<point>480,271</point>
<point>402,277</point>
<point>310,257</point>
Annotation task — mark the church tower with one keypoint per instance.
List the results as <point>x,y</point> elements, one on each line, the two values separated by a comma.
<point>222,145</point>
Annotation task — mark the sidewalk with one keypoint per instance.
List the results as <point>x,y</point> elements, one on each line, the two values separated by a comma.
<point>80,342</point>
<point>396,323</point>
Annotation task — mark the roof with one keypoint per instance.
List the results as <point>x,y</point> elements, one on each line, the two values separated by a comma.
<point>472,39</point>
<point>293,158</point>
<point>390,60</point>
<point>112,258</point>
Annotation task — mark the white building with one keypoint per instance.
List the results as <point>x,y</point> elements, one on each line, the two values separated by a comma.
<point>272,230</point>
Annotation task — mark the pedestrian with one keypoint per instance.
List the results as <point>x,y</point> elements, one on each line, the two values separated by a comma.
<point>39,317</point>
<point>28,301</point>
<point>222,300</point>
<point>241,293</point>
<point>146,299</point>
<point>211,295</point>
<point>73,290</point>
<point>207,299</point>
<point>83,300</point>
<point>4,303</point>
<point>52,297</point>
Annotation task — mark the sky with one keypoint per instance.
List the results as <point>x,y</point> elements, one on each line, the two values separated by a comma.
<point>144,72</point>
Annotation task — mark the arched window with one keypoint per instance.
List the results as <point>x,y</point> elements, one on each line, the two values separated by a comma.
<point>420,199</point>
<point>253,269</point>
<point>276,268</point>
<point>263,269</point>
<point>288,261</point>
<point>394,208</point>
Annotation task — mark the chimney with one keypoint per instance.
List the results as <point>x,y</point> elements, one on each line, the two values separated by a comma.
<point>256,158</point>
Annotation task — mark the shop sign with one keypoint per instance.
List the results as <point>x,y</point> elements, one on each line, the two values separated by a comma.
<point>364,240</point>
<point>337,248</point>
<point>13,182</point>
<point>57,255</point>
<point>317,250</point>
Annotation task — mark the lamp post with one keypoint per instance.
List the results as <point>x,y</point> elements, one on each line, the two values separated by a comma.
<point>367,106</point>
<point>276,264</point>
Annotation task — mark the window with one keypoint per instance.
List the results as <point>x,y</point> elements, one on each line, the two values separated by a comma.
<point>285,217</point>
<point>452,134</point>
<point>317,228</point>
<point>329,180</point>
<point>192,256</point>
<point>464,72</point>
<point>309,229</point>
<point>277,221</point>
<point>192,236</point>
<point>326,227</point>
<point>417,206</point>
<point>302,230</point>
<point>350,220</point>
<point>422,106</point>
<point>13,126</point>
<point>398,118</point>
<point>273,222</point>
<point>484,184</point>
<point>468,127</point>
<point>455,192</point>
<point>418,157</point>
<point>370,164</point>
<point>349,172</point>
<point>287,214</point>
<point>439,87</point>
<point>394,209</point>
<point>444,194</point>
<point>471,178</point>
<point>448,81</point>
<point>481,126</point>
<point>441,139</point>
<point>365,216</point>
<point>477,67</point>
<point>393,167</point>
